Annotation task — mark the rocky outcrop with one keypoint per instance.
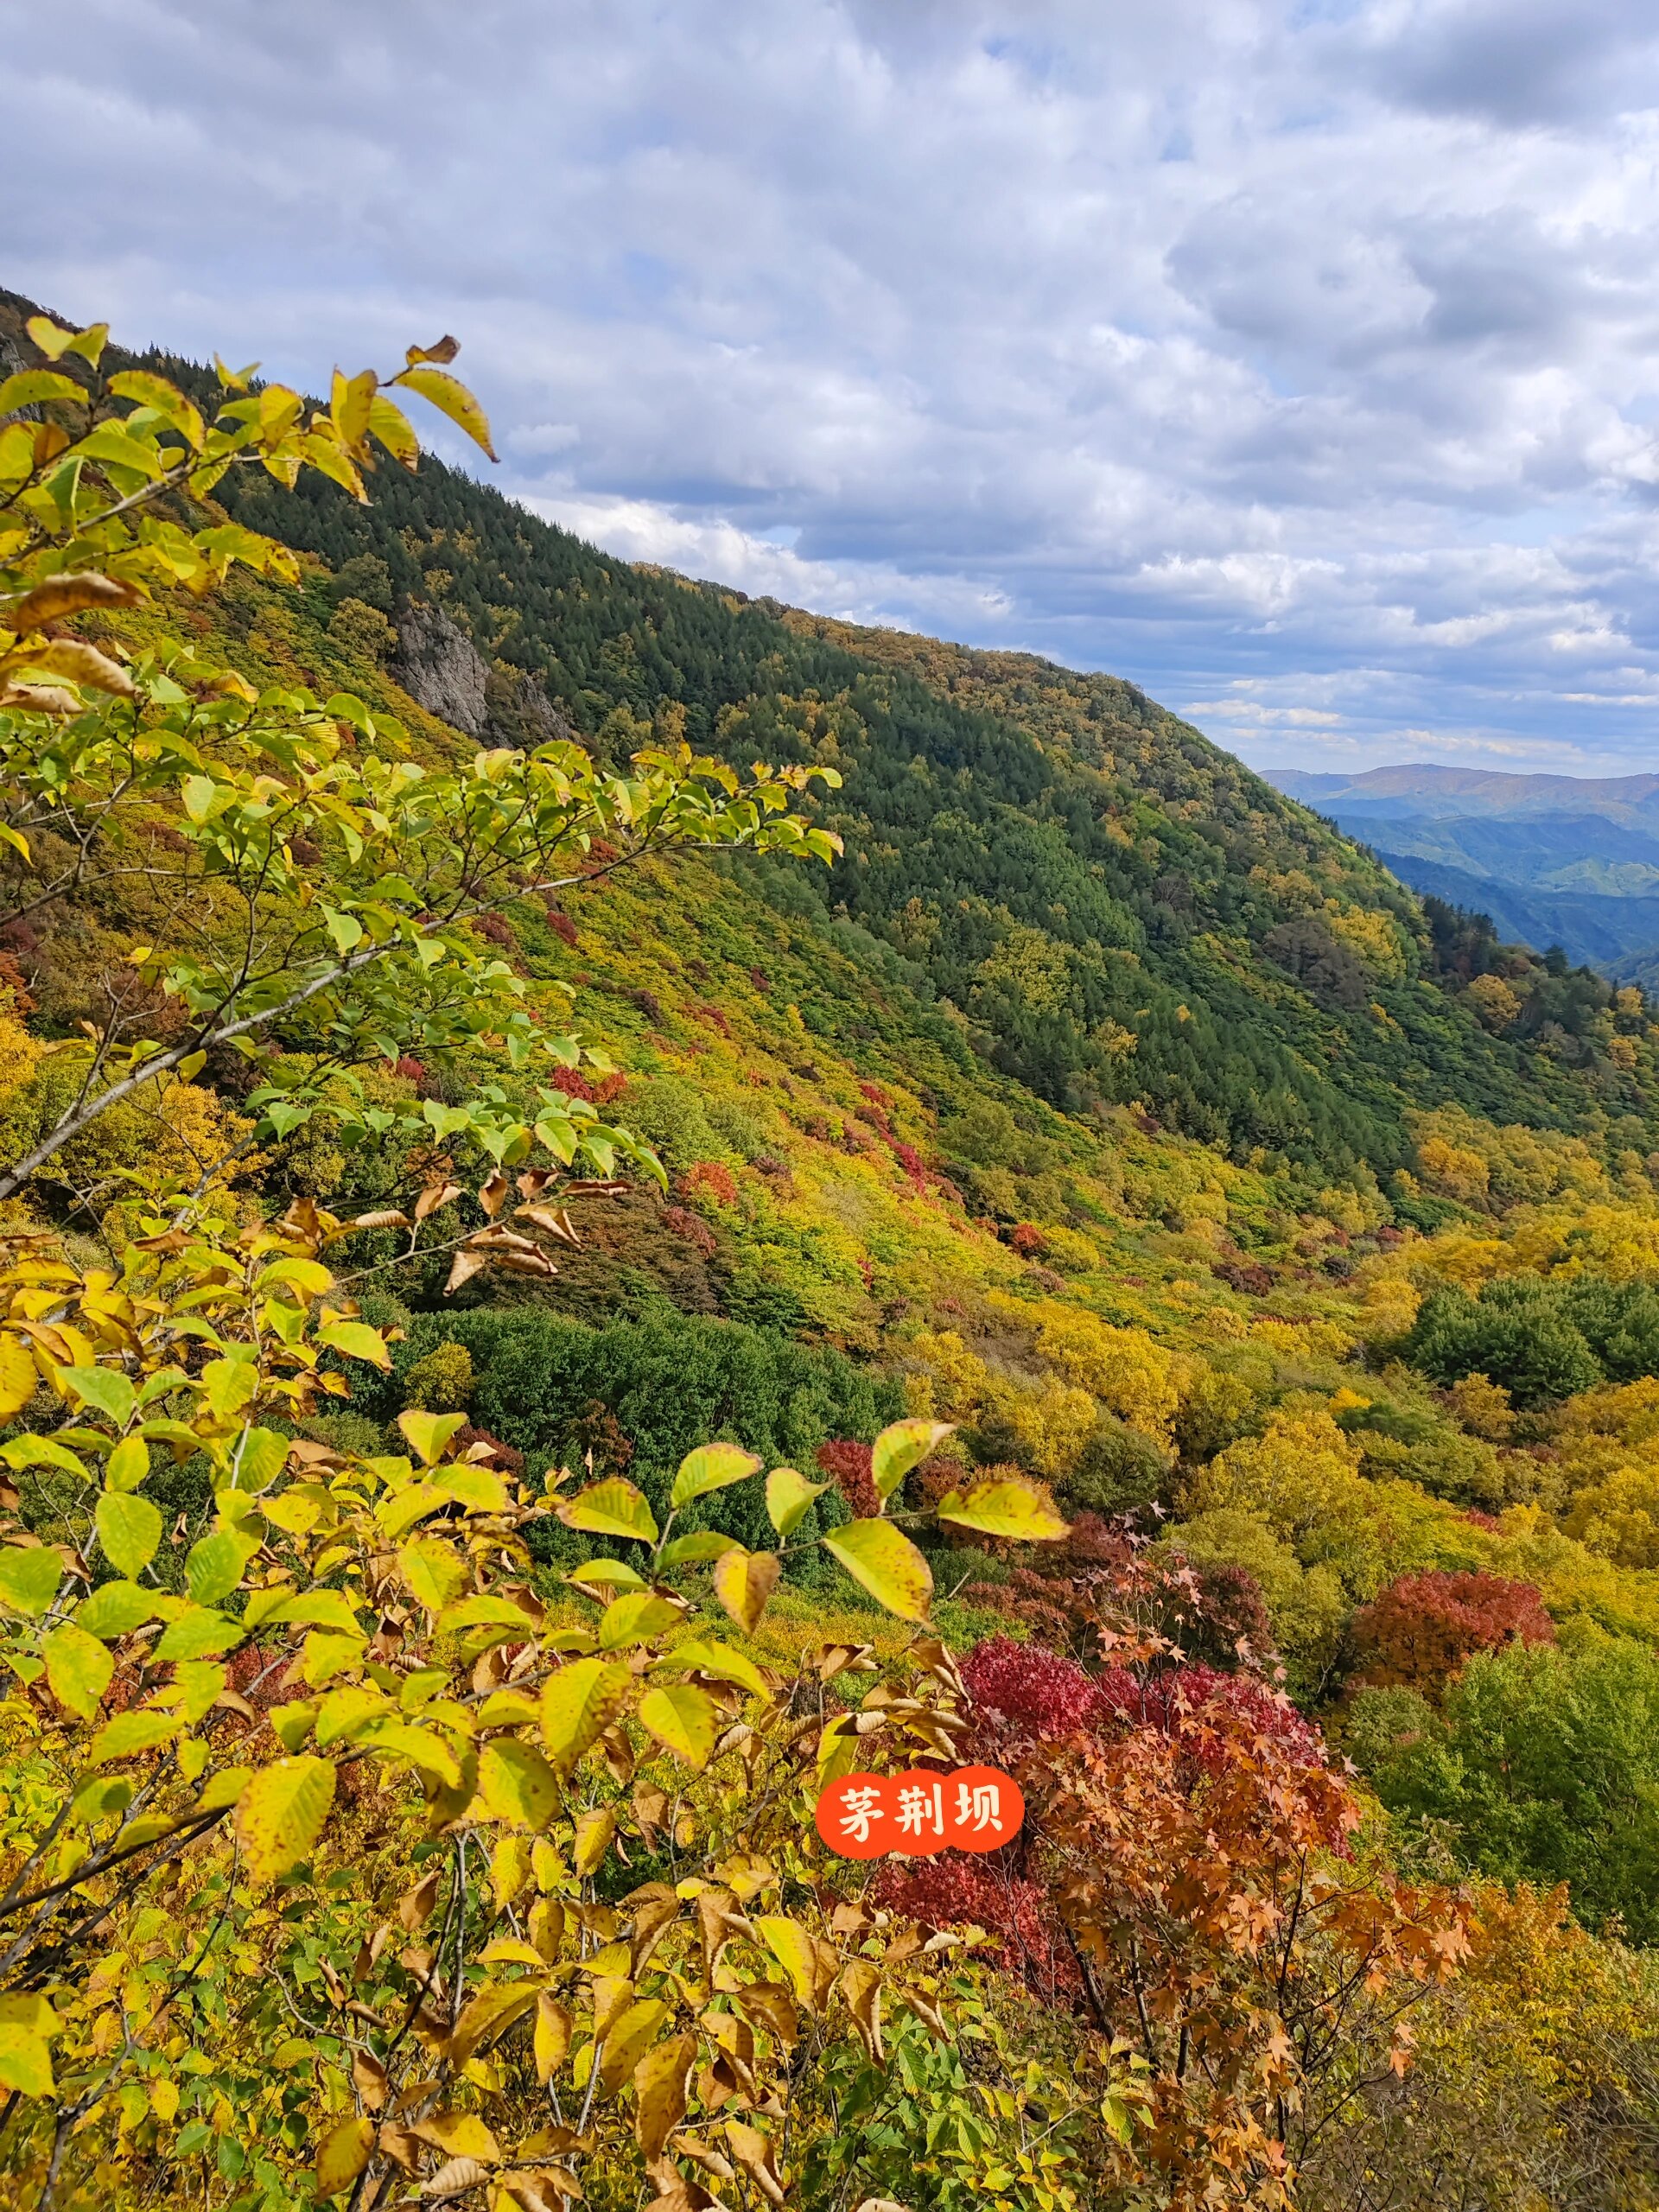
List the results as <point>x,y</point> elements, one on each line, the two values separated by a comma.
<point>441,668</point>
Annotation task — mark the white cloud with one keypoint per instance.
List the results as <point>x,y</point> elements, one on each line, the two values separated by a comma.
<point>1228,343</point>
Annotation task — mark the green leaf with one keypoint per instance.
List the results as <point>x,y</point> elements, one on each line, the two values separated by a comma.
<point>1003,1508</point>
<point>105,1388</point>
<point>517,1784</point>
<point>901,1447</point>
<point>280,1815</point>
<point>358,1341</point>
<point>77,1667</point>
<point>701,1544</point>
<point>427,1434</point>
<point>129,1733</point>
<point>579,1704</point>
<point>683,1720</point>
<point>230,1385</point>
<point>635,1619</point>
<point>450,396</point>
<point>199,1633</point>
<point>128,1464</point>
<point>115,1609</point>
<point>606,1573</point>
<point>613,1507</point>
<point>788,1498</point>
<point>25,2062</point>
<point>423,1747</point>
<point>345,929</point>
<point>216,1564</point>
<point>41,1452</point>
<point>700,1656</point>
<point>29,1575</point>
<point>883,1559</point>
<point>710,1467</point>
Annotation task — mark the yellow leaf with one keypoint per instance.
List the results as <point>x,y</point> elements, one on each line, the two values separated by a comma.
<point>483,2018</point>
<point>578,1705</point>
<point>25,2063</point>
<point>451,397</point>
<point>78,1667</point>
<point>683,1721</point>
<point>795,1951</point>
<point>594,1832</point>
<point>553,2031</point>
<point>427,1434</point>
<point>18,1376</point>
<point>635,1619</point>
<point>883,1559</point>
<point>613,1507</point>
<point>788,1497</point>
<point>699,1657</point>
<point>433,1572</point>
<point>743,1583</point>
<point>901,1447</point>
<point>342,2154</point>
<point>516,1784</point>
<point>629,2041</point>
<point>280,1815</point>
<point>459,2135</point>
<point>1003,1508</point>
<point>659,2085</point>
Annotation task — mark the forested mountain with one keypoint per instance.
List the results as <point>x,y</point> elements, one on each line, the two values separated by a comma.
<point>1123,911</point>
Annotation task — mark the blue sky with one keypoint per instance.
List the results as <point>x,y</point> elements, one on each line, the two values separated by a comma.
<point>1300,362</point>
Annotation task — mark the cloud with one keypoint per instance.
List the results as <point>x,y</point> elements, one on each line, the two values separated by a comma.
<point>1262,352</point>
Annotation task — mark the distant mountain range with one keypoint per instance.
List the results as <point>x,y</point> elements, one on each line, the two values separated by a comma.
<point>1554,859</point>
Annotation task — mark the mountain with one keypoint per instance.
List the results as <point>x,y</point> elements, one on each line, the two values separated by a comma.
<point>1552,859</point>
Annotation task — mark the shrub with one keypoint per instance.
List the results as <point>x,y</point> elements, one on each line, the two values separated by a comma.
<point>848,1466</point>
<point>1038,1691</point>
<point>442,1382</point>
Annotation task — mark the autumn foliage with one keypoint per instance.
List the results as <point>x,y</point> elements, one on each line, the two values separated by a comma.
<point>1422,1628</point>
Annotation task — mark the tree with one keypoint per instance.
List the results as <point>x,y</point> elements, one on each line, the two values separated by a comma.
<point>1421,1629</point>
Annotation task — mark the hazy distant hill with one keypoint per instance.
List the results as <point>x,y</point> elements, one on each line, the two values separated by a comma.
<point>1554,860</point>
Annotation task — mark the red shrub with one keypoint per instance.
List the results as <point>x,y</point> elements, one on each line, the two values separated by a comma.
<point>691,1226</point>
<point>1028,1239</point>
<point>561,924</point>
<point>710,1175</point>
<point>411,1069</point>
<point>1040,1692</point>
<point>955,1891</point>
<point>496,928</point>
<point>911,1160</point>
<point>848,1465</point>
<point>1423,1627</point>
<point>1185,1702</point>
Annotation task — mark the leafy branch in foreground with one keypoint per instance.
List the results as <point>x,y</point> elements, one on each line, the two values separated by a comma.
<point>566,1848</point>
<point>289,871</point>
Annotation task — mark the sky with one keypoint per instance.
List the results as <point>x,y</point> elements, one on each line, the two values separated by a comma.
<point>1298,362</point>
